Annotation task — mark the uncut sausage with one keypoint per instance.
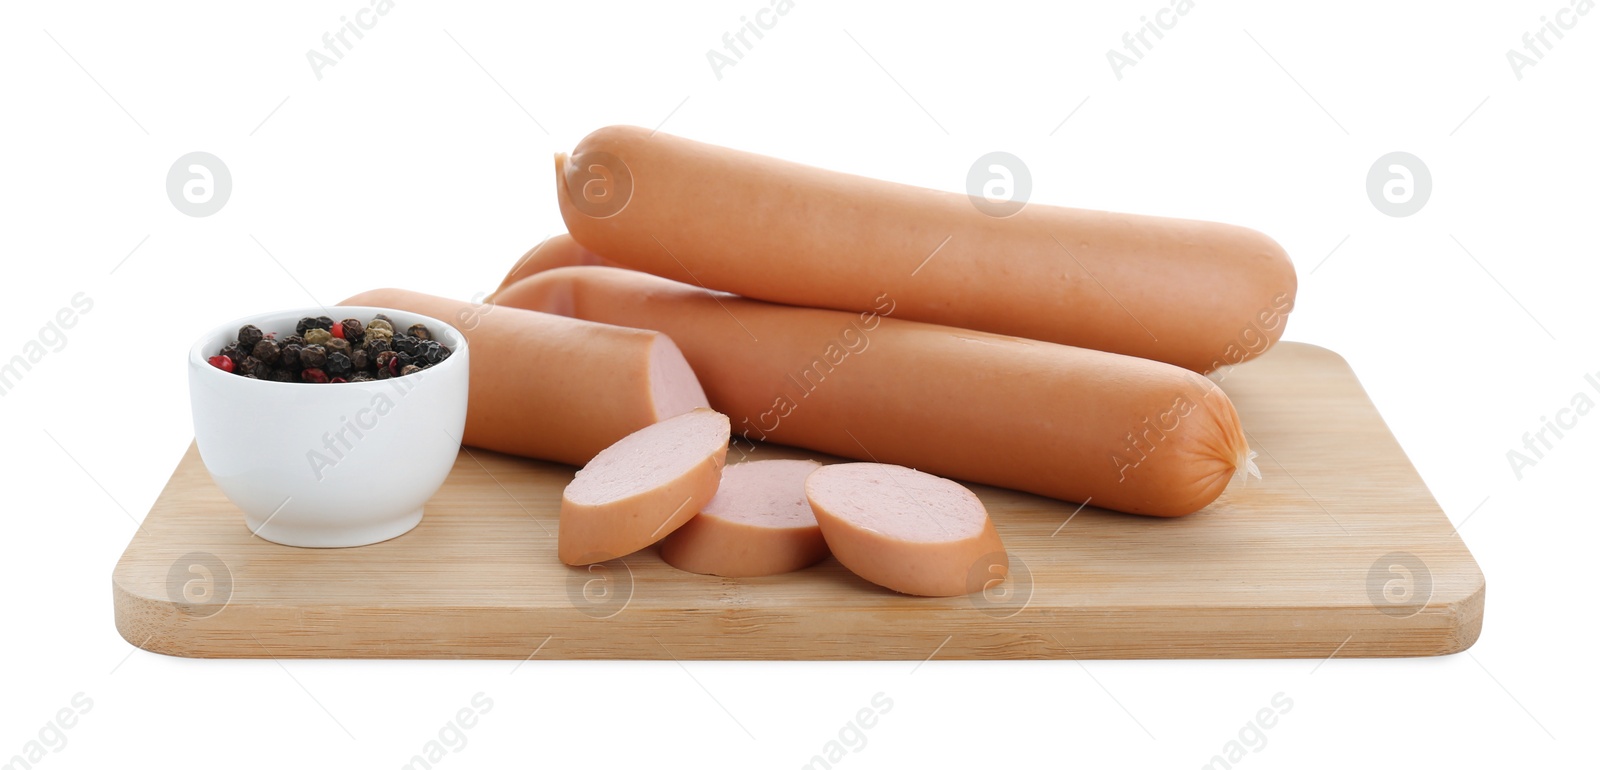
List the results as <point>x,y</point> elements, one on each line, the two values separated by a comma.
<point>556,388</point>
<point>1195,294</point>
<point>643,487</point>
<point>553,252</point>
<point>1075,424</point>
<point>758,524</point>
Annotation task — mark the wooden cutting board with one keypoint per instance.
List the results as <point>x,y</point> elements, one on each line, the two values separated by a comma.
<point>1339,547</point>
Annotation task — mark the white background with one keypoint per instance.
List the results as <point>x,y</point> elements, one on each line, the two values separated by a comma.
<point>422,160</point>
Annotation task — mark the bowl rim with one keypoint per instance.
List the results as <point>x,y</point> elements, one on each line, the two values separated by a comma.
<point>198,355</point>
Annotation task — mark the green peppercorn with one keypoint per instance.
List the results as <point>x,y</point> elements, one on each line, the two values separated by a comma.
<point>420,332</point>
<point>380,323</point>
<point>313,356</point>
<point>267,351</point>
<point>361,377</point>
<point>318,336</point>
<point>249,335</point>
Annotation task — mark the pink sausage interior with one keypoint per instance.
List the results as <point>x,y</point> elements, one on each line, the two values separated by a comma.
<point>767,493</point>
<point>898,502</point>
<point>674,388</point>
<point>649,459</point>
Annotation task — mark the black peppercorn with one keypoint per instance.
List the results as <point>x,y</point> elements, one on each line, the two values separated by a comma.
<point>249,335</point>
<point>336,345</point>
<point>289,355</point>
<point>360,359</point>
<point>320,322</point>
<point>353,330</point>
<point>432,353</point>
<point>376,344</point>
<point>234,354</point>
<point>249,365</point>
<point>410,370</point>
<point>405,344</point>
<point>293,339</point>
<point>281,375</point>
<point>266,351</point>
<point>313,356</point>
<point>361,377</point>
<point>420,332</point>
<point>339,365</point>
<point>385,319</point>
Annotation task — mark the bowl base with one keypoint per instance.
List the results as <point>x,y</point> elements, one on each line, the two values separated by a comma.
<point>333,537</point>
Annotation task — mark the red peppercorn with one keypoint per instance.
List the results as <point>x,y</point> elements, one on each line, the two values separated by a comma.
<point>337,330</point>
<point>314,375</point>
<point>221,362</point>
<point>338,379</point>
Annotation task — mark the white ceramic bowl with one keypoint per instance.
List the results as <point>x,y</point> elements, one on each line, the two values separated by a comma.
<point>329,465</point>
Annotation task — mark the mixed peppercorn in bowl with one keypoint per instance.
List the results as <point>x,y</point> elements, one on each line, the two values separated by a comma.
<point>322,350</point>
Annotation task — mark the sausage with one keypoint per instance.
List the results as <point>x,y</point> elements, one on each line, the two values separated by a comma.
<point>641,488</point>
<point>555,251</point>
<point>556,388</point>
<point>1114,431</point>
<point>758,524</point>
<point>907,530</point>
<point>1195,294</point>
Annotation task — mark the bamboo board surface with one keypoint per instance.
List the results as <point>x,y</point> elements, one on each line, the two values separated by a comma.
<point>1339,546</point>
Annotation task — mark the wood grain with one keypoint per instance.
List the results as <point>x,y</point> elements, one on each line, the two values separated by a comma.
<point>1280,567</point>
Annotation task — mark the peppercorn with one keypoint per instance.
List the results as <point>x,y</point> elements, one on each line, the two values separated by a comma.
<point>420,332</point>
<point>353,330</point>
<point>221,362</point>
<point>293,339</point>
<point>313,356</point>
<point>338,345</point>
<point>289,356</point>
<point>339,365</point>
<point>314,375</point>
<point>385,360</point>
<point>248,365</point>
<point>385,319</point>
<point>249,335</point>
<point>413,369</point>
<point>320,322</point>
<point>318,336</point>
<point>405,344</point>
<point>266,350</point>
<point>232,351</point>
<point>360,359</point>
<point>433,353</point>
<point>381,323</point>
